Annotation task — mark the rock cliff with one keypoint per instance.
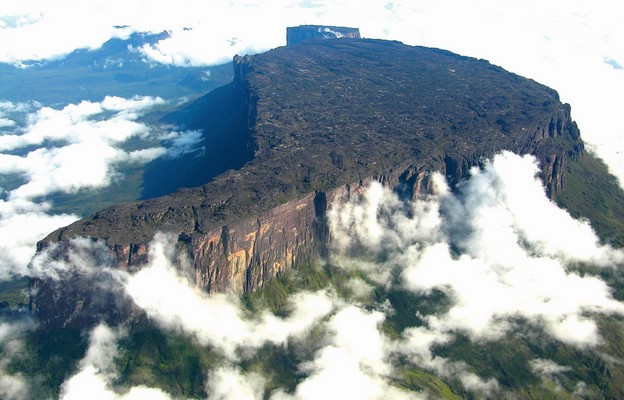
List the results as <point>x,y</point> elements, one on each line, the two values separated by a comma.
<point>319,119</point>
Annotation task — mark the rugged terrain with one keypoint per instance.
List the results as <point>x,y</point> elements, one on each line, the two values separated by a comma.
<point>301,126</point>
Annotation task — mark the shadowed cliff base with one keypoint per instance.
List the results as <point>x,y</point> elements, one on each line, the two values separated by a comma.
<point>226,143</point>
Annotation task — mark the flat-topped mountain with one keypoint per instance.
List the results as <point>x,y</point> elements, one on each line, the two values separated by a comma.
<point>303,124</point>
<point>297,34</point>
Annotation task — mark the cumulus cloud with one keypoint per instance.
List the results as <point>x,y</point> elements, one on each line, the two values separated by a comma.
<point>353,364</point>
<point>9,110</point>
<point>192,39</point>
<point>513,244</point>
<point>475,245</point>
<point>353,356</point>
<point>499,250</point>
<point>81,256</point>
<point>81,145</point>
<point>22,225</point>
<point>360,289</point>
<point>180,143</point>
<point>229,383</point>
<point>78,147</point>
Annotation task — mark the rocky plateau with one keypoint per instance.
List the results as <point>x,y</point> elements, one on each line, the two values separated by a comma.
<point>303,126</point>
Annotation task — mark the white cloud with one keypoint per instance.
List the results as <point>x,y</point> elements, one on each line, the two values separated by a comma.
<point>218,320</point>
<point>548,367</point>
<point>179,143</point>
<point>96,372</point>
<point>8,110</point>
<point>78,147</point>
<point>22,225</point>
<point>498,271</point>
<point>353,356</point>
<point>229,383</point>
<point>359,289</point>
<point>512,203</point>
<point>499,249</point>
<point>514,244</point>
<point>354,364</point>
<point>488,293</point>
<point>6,123</point>
<point>13,386</point>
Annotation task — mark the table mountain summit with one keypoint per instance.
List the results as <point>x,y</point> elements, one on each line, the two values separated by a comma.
<point>309,32</point>
<point>299,126</point>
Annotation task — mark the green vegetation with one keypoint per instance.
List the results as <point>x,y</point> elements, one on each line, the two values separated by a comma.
<point>307,276</point>
<point>591,192</point>
<point>48,358</point>
<point>419,380</point>
<point>14,292</point>
<point>177,364</point>
<point>168,361</point>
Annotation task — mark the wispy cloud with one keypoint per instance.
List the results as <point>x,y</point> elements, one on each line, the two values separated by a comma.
<point>13,386</point>
<point>354,363</point>
<point>76,147</point>
<point>224,323</point>
<point>22,225</point>
<point>230,383</point>
<point>96,372</point>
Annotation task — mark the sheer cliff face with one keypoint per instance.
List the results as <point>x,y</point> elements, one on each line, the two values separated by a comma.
<point>321,118</point>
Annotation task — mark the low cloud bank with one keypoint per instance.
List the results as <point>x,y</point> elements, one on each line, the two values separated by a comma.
<point>218,320</point>
<point>498,249</point>
<point>479,246</point>
<point>352,355</point>
<point>79,147</point>
<point>354,363</point>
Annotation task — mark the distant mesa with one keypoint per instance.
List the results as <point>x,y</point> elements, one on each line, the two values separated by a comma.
<point>309,32</point>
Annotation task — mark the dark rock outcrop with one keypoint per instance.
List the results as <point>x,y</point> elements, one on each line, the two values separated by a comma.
<point>321,118</point>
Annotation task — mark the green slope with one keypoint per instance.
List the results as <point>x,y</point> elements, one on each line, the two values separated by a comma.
<point>591,192</point>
